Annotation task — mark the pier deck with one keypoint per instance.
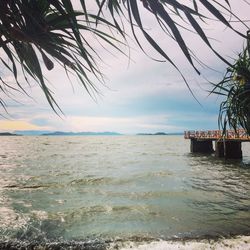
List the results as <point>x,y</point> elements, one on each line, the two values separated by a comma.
<point>214,135</point>
<point>228,145</point>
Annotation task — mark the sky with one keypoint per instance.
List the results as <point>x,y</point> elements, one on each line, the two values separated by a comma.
<point>140,95</point>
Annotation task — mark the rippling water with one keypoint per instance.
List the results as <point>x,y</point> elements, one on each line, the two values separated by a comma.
<point>97,189</point>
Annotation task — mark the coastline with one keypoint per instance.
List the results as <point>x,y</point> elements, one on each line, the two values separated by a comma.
<point>234,243</point>
<point>239,242</point>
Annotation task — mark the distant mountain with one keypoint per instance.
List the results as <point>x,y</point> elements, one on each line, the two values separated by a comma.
<point>60,133</point>
<point>31,132</point>
<point>8,134</point>
<point>160,133</point>
<point>177,133</point>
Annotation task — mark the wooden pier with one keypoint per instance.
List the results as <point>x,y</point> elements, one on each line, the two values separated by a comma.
<point>228,145</point>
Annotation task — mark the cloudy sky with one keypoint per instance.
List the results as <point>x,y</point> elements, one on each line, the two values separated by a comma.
<point>140,94</point>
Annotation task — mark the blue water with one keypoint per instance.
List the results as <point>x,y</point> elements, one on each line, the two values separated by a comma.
<point>66,189</point>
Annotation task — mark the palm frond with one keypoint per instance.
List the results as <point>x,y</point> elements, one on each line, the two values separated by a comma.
<point>235,86</point>
<point>55,32</point>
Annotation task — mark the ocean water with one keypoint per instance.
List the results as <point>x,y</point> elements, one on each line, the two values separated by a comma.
<point>113,192</point>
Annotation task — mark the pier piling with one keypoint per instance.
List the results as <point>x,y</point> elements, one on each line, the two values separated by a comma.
<point>201,146</point>
<point>228,149</point>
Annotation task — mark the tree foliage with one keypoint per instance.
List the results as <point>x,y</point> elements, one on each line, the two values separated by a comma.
<point>235,87</point>
<point>56,32</point>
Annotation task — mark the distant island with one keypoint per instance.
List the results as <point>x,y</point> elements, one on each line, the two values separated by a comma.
<point>89,133</point>
<point>160,133</point>
<point>32,132</point>
<point>60,133</point>
<point>8,134</point>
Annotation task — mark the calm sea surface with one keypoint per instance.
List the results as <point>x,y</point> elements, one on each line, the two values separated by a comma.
<point>100,189</point>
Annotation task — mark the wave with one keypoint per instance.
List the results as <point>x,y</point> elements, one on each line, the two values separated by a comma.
<point>136,243</point>
<point>236,243</point>
<point>91,181</point>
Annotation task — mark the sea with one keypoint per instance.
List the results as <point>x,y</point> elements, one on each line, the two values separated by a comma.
<point>120,192</point>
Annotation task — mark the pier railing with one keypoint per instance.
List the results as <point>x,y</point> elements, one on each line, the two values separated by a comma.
<point>239,135</point>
